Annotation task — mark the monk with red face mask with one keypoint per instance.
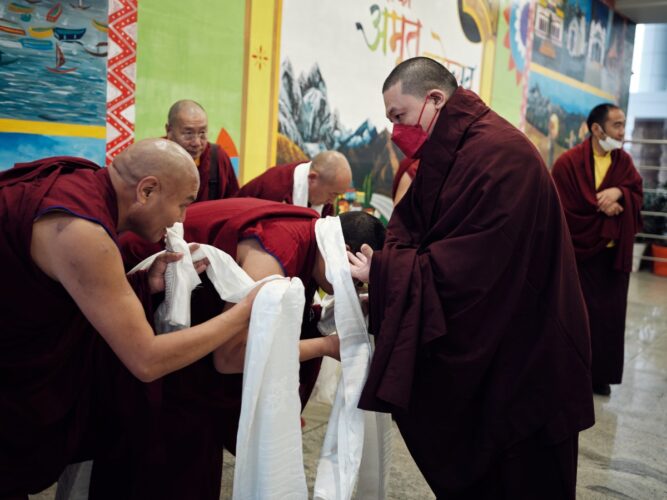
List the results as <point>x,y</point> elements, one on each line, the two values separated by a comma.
<point>482,344</point>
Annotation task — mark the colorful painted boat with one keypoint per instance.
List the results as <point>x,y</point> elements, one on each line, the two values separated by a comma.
<point>103,27</point>
<point>37,32</point>
<point>31,43</point>
<point>100,50</point>
<point>20,8</point>
<point>68,34</point>
<point>60,62</point>
<point>12,30</point>
<point>54,13</point>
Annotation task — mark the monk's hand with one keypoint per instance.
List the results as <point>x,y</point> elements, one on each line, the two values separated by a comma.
<point>200,264</point>
<point>158,268</point>
<point>615,209</point>
<point>607,197</point>
<point>360,263</point>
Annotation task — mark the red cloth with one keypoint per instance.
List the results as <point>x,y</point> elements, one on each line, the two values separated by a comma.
<point>481,329</point>
<point>592,230</point>
<point>228,185</point>
<point>200,408</point>
<point>47,347</point>
<point>276,184</point>
<point>406,166</point>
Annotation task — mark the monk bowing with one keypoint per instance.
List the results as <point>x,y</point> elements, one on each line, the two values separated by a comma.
<point>482,346</point>
<point>315,184</point>
<point>64,283</point>
<point>601,192</point>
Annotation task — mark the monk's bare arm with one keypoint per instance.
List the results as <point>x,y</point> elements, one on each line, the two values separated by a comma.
<point>259,264</point>
<point>83,258</point>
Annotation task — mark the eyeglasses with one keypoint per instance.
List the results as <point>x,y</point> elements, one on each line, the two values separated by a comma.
<point>190,135</point>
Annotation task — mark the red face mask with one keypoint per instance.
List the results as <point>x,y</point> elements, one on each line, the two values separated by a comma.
<point>410,138</point>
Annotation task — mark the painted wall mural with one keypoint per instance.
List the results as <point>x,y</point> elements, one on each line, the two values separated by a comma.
<point>330,91</point>
<point>53,79</point>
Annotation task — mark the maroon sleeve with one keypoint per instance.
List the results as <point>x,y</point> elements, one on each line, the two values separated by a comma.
<point>227,176</point>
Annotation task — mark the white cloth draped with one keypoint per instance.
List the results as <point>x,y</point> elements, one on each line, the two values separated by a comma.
<point>300,187</point>
<point>346,441</point>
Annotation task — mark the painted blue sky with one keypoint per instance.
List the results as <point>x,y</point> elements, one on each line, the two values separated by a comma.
<point>15,148</point>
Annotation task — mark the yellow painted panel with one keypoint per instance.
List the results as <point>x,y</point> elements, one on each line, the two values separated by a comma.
<point>260,89</point>
<point>47,128</point>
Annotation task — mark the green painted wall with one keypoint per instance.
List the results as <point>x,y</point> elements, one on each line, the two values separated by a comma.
<point>190,50</point>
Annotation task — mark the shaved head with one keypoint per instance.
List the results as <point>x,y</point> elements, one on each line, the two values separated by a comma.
<point>330,176</point>
<point>419,75</point>
<point>187,124</point>
<point>155,180</point>
<point>184,107</point>
<point>155,157</point>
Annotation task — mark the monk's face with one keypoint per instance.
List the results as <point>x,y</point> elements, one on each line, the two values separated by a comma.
<point>322,191</point>
<point>190,130</point>
<point>614,125</point>
<point>165,206</point>
<point>408,109</point>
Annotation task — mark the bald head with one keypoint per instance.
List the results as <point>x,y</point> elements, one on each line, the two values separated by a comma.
<point>420,75</point>
<point>187,124</point>
<point>330,176</point>
<point>155,157</point>
<point>155,180</point>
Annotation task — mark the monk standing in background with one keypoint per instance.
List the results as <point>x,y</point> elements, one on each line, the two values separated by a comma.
<point>313,184</point>
<point>482,345</point>
<point>63,283</point>
<point>601,193</point>
<point>187,125</point>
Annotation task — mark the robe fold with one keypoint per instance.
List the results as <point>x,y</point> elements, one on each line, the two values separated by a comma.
<point>481,330</point>
<point>407,166</point>
<point>49,367</point>
<point>228,186</point>
<point>603,271</point>
<point>276,184</point>
<point>200,408</point>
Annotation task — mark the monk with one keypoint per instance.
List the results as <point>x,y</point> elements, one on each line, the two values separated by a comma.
<point>313,184</point>
<point>601,193</point>
<point>187,125</point>
<point>200,407</point>
<point>69,313</point>
<point>407,169</point>
<point>482,345</point>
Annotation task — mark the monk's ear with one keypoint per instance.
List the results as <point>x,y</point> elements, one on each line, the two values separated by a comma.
<point>167,129</point>
<point>347,247</point>
<point>147,187</point>
<point>439,98</point>
<point>312,176</point>
<point>596,130</point>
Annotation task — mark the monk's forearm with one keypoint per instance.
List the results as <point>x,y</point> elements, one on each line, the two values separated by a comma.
<point>173,351</point>
<point>319,347</point>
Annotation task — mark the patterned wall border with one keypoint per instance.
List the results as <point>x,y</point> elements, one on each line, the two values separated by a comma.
<point>121,76</point>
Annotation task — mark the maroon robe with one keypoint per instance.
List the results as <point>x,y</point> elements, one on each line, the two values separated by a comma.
<point>227,186</point>
<point>200,408</point>
<point>603,271</point>
<point>482,345</point>
<point>276,184</point>
<point>50,356</point>
<point>406,166</point>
